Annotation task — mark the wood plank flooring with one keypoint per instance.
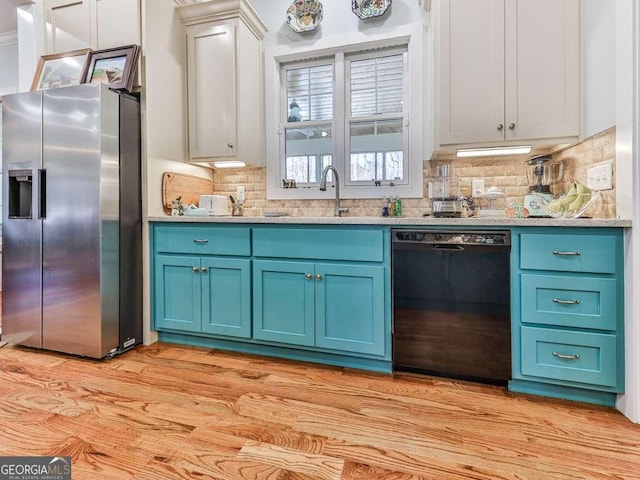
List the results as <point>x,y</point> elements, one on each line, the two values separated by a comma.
<point>168,412</point>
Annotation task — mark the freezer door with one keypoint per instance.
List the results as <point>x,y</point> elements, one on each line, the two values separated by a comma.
<point>80,231</point>
<point>21,228</point>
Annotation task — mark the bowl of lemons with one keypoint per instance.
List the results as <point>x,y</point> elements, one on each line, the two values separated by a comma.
<point>572,204</point>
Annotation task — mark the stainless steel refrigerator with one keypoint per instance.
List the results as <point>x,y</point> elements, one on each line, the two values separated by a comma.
<point>72,227</point>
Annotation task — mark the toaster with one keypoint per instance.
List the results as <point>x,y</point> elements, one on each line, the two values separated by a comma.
<point>216,205</point>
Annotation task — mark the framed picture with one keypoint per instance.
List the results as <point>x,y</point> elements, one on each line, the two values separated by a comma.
<point>114,66</point>
<point>60,70</point>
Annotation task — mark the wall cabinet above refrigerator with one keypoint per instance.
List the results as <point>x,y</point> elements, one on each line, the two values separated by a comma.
<point>509,72</point>
<point>224,82</point>
<point>97,24</point>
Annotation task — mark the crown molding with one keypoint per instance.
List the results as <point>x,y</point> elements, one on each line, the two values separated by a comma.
<point>8,38</point>
<point>194,12</point>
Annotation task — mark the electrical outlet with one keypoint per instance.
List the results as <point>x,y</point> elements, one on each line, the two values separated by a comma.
<point>240,194</point>
<point>477,187</point>
<point>600,177</point>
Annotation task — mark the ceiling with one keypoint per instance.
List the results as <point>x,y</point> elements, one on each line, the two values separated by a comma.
<point>7,16</point>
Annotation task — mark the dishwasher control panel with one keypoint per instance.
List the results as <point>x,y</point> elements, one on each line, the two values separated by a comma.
<point>498,238</point>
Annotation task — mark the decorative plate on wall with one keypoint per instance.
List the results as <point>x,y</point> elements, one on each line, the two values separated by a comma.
<point>369,8</point>
<point>304,15</point>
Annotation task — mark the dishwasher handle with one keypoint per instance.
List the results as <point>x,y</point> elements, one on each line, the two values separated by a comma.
<point>448,247</point>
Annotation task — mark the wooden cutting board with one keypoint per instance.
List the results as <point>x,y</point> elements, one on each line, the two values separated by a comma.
<point>188,187</point>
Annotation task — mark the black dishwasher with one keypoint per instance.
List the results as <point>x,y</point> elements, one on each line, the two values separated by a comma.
<point>451,304</point>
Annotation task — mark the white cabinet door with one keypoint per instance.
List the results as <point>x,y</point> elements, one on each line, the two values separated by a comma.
<point>543,69</point>
<point>509,71</point>
<point>211,57</point>
<point>472,71</point>
<point>68,25</point>
<point>118,23</point>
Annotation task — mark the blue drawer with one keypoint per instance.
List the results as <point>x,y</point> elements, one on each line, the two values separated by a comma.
<point>320,244</point>
<point>571,356</point>
<point>202,239</point>
<point>569,301</point>
<point>568,253</point>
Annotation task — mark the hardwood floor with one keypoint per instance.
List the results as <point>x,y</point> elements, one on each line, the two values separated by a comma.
<point>170,412</point>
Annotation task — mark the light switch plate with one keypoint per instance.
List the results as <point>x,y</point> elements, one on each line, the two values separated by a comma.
<point>240,194</point>
<point>477,187</point>
<point>600,177</point>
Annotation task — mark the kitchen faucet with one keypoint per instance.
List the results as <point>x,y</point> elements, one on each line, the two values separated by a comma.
<point>337,212</point>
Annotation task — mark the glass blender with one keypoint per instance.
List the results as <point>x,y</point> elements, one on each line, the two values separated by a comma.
<point>444,192</point>
<point>542,172</point>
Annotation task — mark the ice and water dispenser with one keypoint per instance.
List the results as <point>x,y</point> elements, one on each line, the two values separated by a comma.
<point>20,193</point>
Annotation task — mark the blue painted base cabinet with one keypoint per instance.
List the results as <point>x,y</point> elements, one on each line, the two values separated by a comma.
<point>567,313</point>
<point>310,293</point>
<point>334,306</point>
<point>209,295</point>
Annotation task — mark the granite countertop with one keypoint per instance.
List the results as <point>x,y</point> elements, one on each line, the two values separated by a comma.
<point>399,221</point>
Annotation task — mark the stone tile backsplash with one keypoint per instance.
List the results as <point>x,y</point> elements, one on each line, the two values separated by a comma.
<point>506,173</point>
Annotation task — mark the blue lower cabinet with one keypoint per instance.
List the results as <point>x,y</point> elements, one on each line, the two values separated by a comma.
<point>583,357</point>
<point>283,305</point>
<point>203,294</point>
<point>350,308</point>
<point>178,302</point>
<point>226,296</point>
<point>568,313</point>
<point>333,306</point>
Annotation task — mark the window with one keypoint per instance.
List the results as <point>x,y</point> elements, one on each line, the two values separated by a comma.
<point>347,106</point>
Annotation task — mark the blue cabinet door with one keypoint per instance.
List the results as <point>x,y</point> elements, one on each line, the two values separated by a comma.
<point>350,312</point>
<point>283,302</point>
<point>226,296</point>
<point>177,303</point>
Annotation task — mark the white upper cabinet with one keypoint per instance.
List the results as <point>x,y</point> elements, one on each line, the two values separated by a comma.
<point>67,25</point>
<point>212,90</point>
<point>118,23</point>
<point>509,71</point>
<point>96,24</point>
<point>225,82</point>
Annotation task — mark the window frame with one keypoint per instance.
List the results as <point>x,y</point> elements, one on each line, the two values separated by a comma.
<point>412,37</point>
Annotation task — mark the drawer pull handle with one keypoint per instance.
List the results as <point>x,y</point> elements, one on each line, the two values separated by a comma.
<point>194,269</point>
<point>566,302</point>
<point>566,254</point>
<point>308,276</point>
<point>201,241</point>
<point>566,357</point>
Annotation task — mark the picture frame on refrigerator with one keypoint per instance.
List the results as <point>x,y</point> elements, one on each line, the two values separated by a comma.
<point>60,69</point>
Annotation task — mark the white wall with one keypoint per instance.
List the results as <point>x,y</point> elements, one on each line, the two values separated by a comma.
<point>164,118</point>
<point>599,27</point>
<point>164,99</point>
<point>338,19</point>
<point>628,188</point>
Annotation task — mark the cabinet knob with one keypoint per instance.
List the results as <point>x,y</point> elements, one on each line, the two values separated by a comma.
<point>512,126</point>
<point>308,276</point>
<point>230,145</point>
<point>203,269</point>
<point>500,127</point>
<point>318,277</point>
<point>194,269</point>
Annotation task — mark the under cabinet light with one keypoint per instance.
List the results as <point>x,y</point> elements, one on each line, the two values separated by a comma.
<point>229,164</point>
<point>490,152</point>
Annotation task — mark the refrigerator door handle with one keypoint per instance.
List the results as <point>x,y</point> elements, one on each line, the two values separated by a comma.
<point>42,193</point>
